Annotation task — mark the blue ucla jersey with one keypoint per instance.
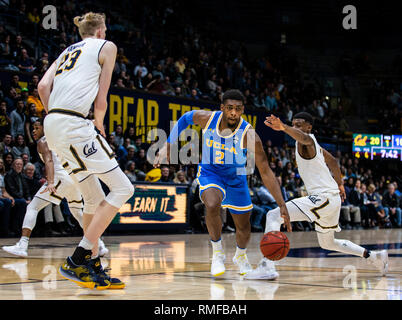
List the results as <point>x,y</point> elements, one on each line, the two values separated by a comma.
<point>223,154</point>
<point>223,165</point>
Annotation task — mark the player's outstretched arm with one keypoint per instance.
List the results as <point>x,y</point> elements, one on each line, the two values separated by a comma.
<point>336,171</point>
<point>199,117</point>
<point>44,150</point>
<point>276,124</point>
<point>254,145</point>
<point>45,85</point>
<point>107,59</point>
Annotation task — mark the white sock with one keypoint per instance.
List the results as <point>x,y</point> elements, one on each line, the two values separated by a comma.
<point>240,251</point>
<point>86,244</point>
<point>24,241</point>
<point>217,245</point>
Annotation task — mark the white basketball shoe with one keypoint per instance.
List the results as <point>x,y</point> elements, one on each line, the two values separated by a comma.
<point>380,260</point>
<point>19,249</point>
<point>264,271</point>
<point>103,251</point>
<point>242,262</point>
<point>217,265</point>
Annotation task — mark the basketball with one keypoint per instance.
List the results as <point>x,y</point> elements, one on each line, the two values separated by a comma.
<point>274,245</point>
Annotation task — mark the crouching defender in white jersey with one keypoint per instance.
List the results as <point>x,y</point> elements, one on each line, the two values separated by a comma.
<point>59,185</point>
<point>323,203</point>
<point>81,76</point>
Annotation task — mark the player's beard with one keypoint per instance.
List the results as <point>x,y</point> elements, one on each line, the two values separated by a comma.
<point>232,125</point>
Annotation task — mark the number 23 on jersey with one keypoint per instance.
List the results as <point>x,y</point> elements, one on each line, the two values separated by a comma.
<point>71,58</point>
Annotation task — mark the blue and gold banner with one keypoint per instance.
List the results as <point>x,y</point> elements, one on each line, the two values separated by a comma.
<point>145,111</point>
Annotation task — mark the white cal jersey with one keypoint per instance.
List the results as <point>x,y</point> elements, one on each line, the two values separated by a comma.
<point>56,161</point>
<point>315,173</point>
<point>76,82</point>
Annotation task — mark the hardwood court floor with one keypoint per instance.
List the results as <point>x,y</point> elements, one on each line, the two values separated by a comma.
<point>176,267</point>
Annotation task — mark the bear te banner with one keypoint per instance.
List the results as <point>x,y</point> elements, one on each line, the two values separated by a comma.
<point>144,111</point>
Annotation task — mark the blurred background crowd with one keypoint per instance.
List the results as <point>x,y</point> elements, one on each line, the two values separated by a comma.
<point>166,52</point>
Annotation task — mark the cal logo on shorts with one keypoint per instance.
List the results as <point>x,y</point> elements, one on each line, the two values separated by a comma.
<point>89,150</point>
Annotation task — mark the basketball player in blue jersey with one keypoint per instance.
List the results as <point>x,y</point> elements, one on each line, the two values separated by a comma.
<point>222,173</point>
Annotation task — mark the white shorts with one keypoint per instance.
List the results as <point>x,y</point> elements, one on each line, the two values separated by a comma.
<point>322,209</point>
<point>65,189</point>
<point>82,151</point>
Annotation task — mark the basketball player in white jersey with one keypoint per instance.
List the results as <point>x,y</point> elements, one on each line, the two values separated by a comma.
<point>323,203</point>
<point>59,185</point>
<point>81,76</point>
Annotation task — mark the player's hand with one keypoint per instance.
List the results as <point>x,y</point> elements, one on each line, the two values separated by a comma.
<point>100,127</point>
<point>162,156</point>
<point>274,123</point>
<point>342,192</point>
<point>50,188</point>
<point>286,219</point>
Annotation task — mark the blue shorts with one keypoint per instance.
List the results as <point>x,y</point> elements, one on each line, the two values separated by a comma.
<point>236,195</point>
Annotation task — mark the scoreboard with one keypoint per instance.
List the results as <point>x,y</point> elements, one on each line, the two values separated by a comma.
<point>377,146</point>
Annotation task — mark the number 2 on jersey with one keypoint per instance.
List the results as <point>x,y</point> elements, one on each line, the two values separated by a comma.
<point>219,157</point>
<point>73,59</point>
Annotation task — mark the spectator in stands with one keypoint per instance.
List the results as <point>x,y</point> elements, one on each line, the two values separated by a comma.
<point>142,67</point>
<point>158,72</point>
<point>139,81</point>
<point>33,16</point>
<point>18,120</point>
<point>375,204</point>
<point>20,147</point>
<point>350,212</point>
<point>15,83</point>
<point>180,64</point>
<point>5,145</point>
<point>356,199</point>
<point>129,157</point>
<point>18,189</point>
<point>155,85</point>
<point>5,51</point>
<point>391,204</point>
<point>180,177</point>
<point>17,47</point>
<point>119,83</point>
<point>32,182</point>
<point>6,202</point>
<point>129,133</point>
<point>130,171</point>
<point>25,63</point>
<point>167,87</point>
<point>118,135</point>
<point>270,102</point>
<point>5,121</point>
<point>35,99</point>
<point>11,98</point>
<point>34,82</point>
<point>30,120</point>
<point>165,175</point>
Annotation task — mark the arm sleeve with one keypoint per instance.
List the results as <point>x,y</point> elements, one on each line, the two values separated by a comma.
<point>182,124</point>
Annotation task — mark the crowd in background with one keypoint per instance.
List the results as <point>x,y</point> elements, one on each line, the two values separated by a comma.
<point>195,66</point>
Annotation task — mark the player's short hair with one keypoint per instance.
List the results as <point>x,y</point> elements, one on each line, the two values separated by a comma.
<point>40,121</point>
<point>305,116</point>
<point>88,23</point>
<point>233,94</point>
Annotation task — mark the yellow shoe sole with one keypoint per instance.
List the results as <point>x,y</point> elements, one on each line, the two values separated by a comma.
<point>117,286</point>
<point>218,274</point>
<point>88,285</point>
